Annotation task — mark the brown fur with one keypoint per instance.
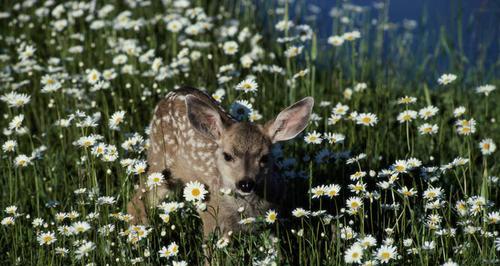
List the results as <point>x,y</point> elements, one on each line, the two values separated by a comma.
<point>188,137</point>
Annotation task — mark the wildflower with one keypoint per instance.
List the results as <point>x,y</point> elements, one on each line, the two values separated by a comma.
<point>14,99</point>
<point>22,161</point>
<point>332,190</point>
<point>336,40</point>
<point>487,146</point>
<point>116,119</point>
<point>354,203</point>
<point>318,191</point>
<point>351,36</point>
<point>16,122</point>
<point>93,76</point>
<point>407,116</point>
<point>459,111</point>
<point>313,137</point>
<point>486,89</point>
<point>84,249</point>
<point>300,212</point>
<point>366,119</point>
<point>8,221</point>
<point>334,137</point>
<point>81,227</point>
<point>368,241</point>
<point>428,112</point>
<point>293,51</point>
<point>249,220</point>
<point>446,79</point>
<point>46,238</point>
<point>222,243</point>
<point>271,216</point>
<point>494,217</point>
<point>154,180</point>
<point>284,25</point>
<point>194,191</point>
<point>428,129</point>
<point>450,263</point>
<point>358,175</point>
<point>407,100</point>
<point>407,192</point>
<point>254,116</point>
<point>386,253</point>
<point>174,26</point>
<point>12,210</point>
<point>9,146</point>
<point>432,193</point>
<point>247,85</point>
<point>354,254</point>
<point>400,166</point>
<point>230,47</point>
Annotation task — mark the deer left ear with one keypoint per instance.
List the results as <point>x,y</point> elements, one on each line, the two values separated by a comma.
<point>291,121</point>
<point>204,118</point>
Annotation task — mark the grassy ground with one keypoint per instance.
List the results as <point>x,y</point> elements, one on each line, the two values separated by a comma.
<point>79,82</point>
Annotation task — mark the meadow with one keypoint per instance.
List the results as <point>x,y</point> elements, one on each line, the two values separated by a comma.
<point>398,165</point>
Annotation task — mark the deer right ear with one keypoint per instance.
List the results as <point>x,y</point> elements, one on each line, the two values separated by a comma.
<point>205,119</point>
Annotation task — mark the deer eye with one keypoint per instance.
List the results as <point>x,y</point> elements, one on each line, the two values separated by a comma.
<point>227,156</point>
<point>264,159</point>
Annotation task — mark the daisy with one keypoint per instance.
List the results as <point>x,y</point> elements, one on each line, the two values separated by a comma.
<point>332,190</point>
<point>428,129</point>
<point>84,249</point>
<point>340,109</point>
<point>22,160</point>
<point>351,36</point>
<point>428,112</point>
<point>459,111</point>
<point>354,203</point>
<point>368,241</point>
<point>432,193</point>
<point>93,76</point>
<point>486,89</point>
<point>12,210</point>
<point>313,137</point>
<point>174,26</point>
<point>333,119</point>
<point>450,263</point>
<point>300,212</point>
<point>271,216</point>
<point>354,254</point>
<point>334,137</point>
<point>407,116</point>
<point>254,116</point>
<point>494,217</point>
<point>14,99</point>
<point>116,119</point>
<point>46,238</point>
<point>407,100</point>
<point>366,119</point>
<point>230,47</point>
<point>8,221</point>
<point>335,40</point>
<point>293,51</point>
<point>16,122</point>
<point>154,180</point>
<point>173,249</point>
<point>248,85</point>
<point>386,253</point>
<point>446,79</point>
<point>400,166</point>
<point>249,220</point>
<point>487,146</point>
<point>222,243</point>
<point>194,191</point>
<point>407,192</point>
<point>318,191</point>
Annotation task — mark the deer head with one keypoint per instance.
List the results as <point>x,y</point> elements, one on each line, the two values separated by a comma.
<point>243,149</point>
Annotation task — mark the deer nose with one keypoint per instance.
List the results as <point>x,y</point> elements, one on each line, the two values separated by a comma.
<point>246,185</point>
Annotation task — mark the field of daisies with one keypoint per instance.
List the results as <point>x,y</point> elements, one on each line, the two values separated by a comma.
<point>398,165</point>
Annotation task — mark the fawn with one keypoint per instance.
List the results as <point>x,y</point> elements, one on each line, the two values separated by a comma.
<point>194,139</point>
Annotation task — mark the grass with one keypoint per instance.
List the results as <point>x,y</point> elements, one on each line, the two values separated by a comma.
<point>452,217</point>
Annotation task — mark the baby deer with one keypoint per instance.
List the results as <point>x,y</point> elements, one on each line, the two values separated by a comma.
<point>194,139</point>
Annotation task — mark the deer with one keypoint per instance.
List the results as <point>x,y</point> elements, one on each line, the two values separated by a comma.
<point>192,138</point>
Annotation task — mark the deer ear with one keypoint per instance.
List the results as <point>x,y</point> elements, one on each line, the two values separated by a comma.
<point>291,121</point>
<point>204,118</point>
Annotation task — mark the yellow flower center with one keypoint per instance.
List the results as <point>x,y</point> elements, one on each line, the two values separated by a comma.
<point>195,192</point>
